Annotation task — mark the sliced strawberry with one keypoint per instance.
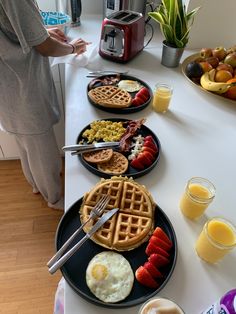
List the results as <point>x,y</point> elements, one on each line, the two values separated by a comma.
<point>144,159</point>
<point>137,102</point>
<point>151,144</point>
<point>145,278</point>
<point>141,96</point>
<point>151,248</point>
<point>152,270</point>
<point>158,260</point>
<point>135,163</point>
<point>149,149</point>
<point>159,242</point>
<point>143,93</point>
<point>160,233</point>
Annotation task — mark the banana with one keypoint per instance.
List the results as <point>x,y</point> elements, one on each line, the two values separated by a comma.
<point>207,82</point>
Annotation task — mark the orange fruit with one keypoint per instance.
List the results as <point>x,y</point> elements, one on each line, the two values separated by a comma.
<point>231,92</point>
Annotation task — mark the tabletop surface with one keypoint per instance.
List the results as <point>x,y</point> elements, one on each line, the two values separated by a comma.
<point>197,136</point>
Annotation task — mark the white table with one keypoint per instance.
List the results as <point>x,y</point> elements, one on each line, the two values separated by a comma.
<point>198,139</point>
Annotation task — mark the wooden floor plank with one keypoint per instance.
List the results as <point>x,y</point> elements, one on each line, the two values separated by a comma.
<point>27,235</point>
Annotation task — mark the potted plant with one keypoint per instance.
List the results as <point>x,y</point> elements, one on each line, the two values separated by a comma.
<point>175,24</point>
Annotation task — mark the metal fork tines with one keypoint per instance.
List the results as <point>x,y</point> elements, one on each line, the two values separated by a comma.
<point>95,212</point>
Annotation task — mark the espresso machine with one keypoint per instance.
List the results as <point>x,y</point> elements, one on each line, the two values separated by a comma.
<point>71,7</point>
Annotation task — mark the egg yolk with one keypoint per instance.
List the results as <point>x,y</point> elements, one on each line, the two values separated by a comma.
<point>99,272</point>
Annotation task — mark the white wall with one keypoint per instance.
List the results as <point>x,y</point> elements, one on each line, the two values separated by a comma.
<point>47,5</point>
<point>214,24</point>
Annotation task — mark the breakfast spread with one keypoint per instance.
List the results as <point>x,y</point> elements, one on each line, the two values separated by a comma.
<point>109,276</point>
<point>138,148</point>
<point>134,222</point>
<point>214,69</point>
<point>119,92</point>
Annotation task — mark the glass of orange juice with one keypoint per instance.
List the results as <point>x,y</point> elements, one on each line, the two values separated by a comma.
<point>198,194</point>
<point>217,238</point>
<point>161,97</point>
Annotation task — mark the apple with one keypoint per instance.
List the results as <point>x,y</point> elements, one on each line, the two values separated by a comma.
<point>206,52</point>
<point>213,61</point>
<point>225,66</point>
<point>219,52</point>
<point>223,76</point>
<point>199,59</point>
<point>231,59</point>
<point>206,66</point>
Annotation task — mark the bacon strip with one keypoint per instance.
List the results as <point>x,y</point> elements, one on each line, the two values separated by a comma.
<point>132,127</point>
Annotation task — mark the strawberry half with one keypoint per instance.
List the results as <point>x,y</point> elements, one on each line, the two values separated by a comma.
<point>145,278</point>
<point>152,248</point>
<point>159,242</point>
<point>160,233</point>
<point>152,270</point>
<point>158,260</point>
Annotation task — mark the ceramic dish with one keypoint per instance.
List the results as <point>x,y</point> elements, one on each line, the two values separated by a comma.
<point>128,109</point>
<point>131,172</point>
<point>192,58</point>
<point>75,268</point>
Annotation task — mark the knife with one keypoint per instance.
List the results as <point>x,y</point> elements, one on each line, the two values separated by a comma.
<point>59,263</point>
<point>81,148</point>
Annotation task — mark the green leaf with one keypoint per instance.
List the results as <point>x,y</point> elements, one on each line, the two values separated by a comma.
<point>175,22</point>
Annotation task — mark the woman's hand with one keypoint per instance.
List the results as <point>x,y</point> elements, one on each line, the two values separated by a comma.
<point>80,45</point>
<point>56,33</point>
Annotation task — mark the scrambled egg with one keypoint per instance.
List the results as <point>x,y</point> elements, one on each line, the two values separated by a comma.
<point>106,131</point>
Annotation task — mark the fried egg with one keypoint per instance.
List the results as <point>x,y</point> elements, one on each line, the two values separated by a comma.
<point>129,85</point>
<point>109,277</point>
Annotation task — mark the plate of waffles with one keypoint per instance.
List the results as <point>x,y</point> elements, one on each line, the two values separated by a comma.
<point>121,162</point>
<point>116,93</point>
<point>127,233</point>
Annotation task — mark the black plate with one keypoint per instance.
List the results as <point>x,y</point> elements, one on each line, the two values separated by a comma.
<point>75,268</point>
<point>123,110</point>
<point>131,172</point>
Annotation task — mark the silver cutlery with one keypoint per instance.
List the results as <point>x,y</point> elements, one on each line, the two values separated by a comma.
<point>107,71</point>
<point>100,73</point>
<point>81,148</point>
<point>95,212</point>
<point>59,263</point>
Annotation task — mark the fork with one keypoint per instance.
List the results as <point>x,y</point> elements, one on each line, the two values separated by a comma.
<point>95,212</point>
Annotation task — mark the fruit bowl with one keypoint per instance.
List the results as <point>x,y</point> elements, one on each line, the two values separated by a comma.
<point>184,65</point>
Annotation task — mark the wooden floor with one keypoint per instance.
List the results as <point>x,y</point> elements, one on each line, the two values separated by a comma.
<point>27,231</point>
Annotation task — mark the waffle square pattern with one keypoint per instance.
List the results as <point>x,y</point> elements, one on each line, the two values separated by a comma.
<point>110,96</point>
<point>132,225</point>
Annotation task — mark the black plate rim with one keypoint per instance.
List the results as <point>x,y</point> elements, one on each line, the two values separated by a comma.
<point>133,175</point>
<point>126,304</point>
<point>124,110</point>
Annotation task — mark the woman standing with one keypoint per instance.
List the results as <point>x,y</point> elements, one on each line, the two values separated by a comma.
<point>28,104</point>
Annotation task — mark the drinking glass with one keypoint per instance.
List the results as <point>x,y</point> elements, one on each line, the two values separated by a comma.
<point>161,97</point>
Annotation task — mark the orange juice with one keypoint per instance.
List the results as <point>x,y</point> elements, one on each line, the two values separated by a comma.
<point>198,194</point>
<point>217,238</point>
<point>161,98</point>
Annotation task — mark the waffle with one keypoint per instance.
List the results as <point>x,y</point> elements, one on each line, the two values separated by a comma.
<point>132,224</point>
<point>99,156</point>
<point>118,164</point>
<point>110,96</point>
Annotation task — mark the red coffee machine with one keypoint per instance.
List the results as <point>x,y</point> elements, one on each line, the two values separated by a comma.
<point>122,36</point>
